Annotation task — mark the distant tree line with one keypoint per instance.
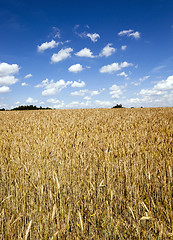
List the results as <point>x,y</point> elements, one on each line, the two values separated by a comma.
<point>30,107</point>
<point>118,106</point>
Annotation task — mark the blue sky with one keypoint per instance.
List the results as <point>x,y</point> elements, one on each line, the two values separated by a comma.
<point>86,54</point>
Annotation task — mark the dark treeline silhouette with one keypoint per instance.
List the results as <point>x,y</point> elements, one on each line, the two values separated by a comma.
<point>118,106</point>
<point>2,109</point>
<point>30,107</point>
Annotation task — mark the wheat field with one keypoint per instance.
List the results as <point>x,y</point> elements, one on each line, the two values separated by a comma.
<point>86,174</point>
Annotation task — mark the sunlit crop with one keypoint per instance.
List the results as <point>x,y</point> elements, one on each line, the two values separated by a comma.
<point>86,174</point>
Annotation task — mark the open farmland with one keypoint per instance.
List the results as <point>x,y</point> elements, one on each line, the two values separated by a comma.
<point>86,174</point>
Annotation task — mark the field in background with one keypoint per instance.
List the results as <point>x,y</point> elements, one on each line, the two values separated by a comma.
<point>86,174</point>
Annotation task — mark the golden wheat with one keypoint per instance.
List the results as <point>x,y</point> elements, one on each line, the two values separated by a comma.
<point>86,174</point>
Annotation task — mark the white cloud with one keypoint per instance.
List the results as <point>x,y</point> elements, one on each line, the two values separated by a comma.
<point>125,32</point>
<point>91,92</point>
<point>80,93</point>
<point>162,88</point>
<point>8,80</point>
<point>96,92</point>
<point>151,101</point>
<point>107,50</point>
<point>165,85</point>
<point>76,68</point>
<point>52,88</point>
<point>42,103</point>
<point>123,48</point>
<point>73,104</point>
<point>125,64</point>
<point>110,68</point>
<point>151,92</point>
<point>6,73</point>
<point>135,35</point>
<point>31,100</point>
<point>53,100</point>
<point>24,84</point>
<point>60,105</point>
<point>115,91</point>
<point>122,74</point>
<point>7,69</point>
<point>144,78</point>
<point>85,52</point>
<point>78,84</point>
<point>87,98</point>
<point>130,33</point>
<point>28,76</point>
<point>114,67</point>
<point>4,89</point>
<point>103,103</point>
<point>140,80</point>
<point>56,33</point>
<point>43,83</point>
<point>93,36</point>
<point>47,45</point>
<point>61,55</point>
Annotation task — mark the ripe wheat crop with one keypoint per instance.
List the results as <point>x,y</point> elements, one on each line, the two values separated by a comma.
<point>86,174</point>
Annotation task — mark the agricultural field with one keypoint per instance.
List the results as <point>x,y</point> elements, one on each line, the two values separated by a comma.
<point>86,174</point>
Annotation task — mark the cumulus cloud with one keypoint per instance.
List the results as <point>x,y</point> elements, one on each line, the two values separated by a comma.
<point>165,85</point>
<point>43,83</point>
<point>76,68</point>
<point>60,105</point>
<point>114,67</point>
<point>87,98</point>
<point>115,91</point>
<point>161,88</point>
<point>123,48</point>
<point>80,93</point>
<point>85,52</point>
<point>73,104</point>
<point>93,36</point>
<point>107,50</point>
<point>24,84</point>
<point>52,88</point>
<point>31,100</point>
<point>151,92</point>
<point>4,89</point>
<point>125,64</point>
<point>130,33</point>
<point>137,83</point>
<point>144,78</point>
<point>53,100</point>
<point>78,84</point>
<point>102,103</point>
<point>91,92</point>
<point>110,68</point>
<point>61,55</point>
<point>6,73</point>
<point>47,45</point>
<point>28,76</point>
<point>8,80</point>
<point>122,74</point>
<point>97,92</point>
<point>7,69</point>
